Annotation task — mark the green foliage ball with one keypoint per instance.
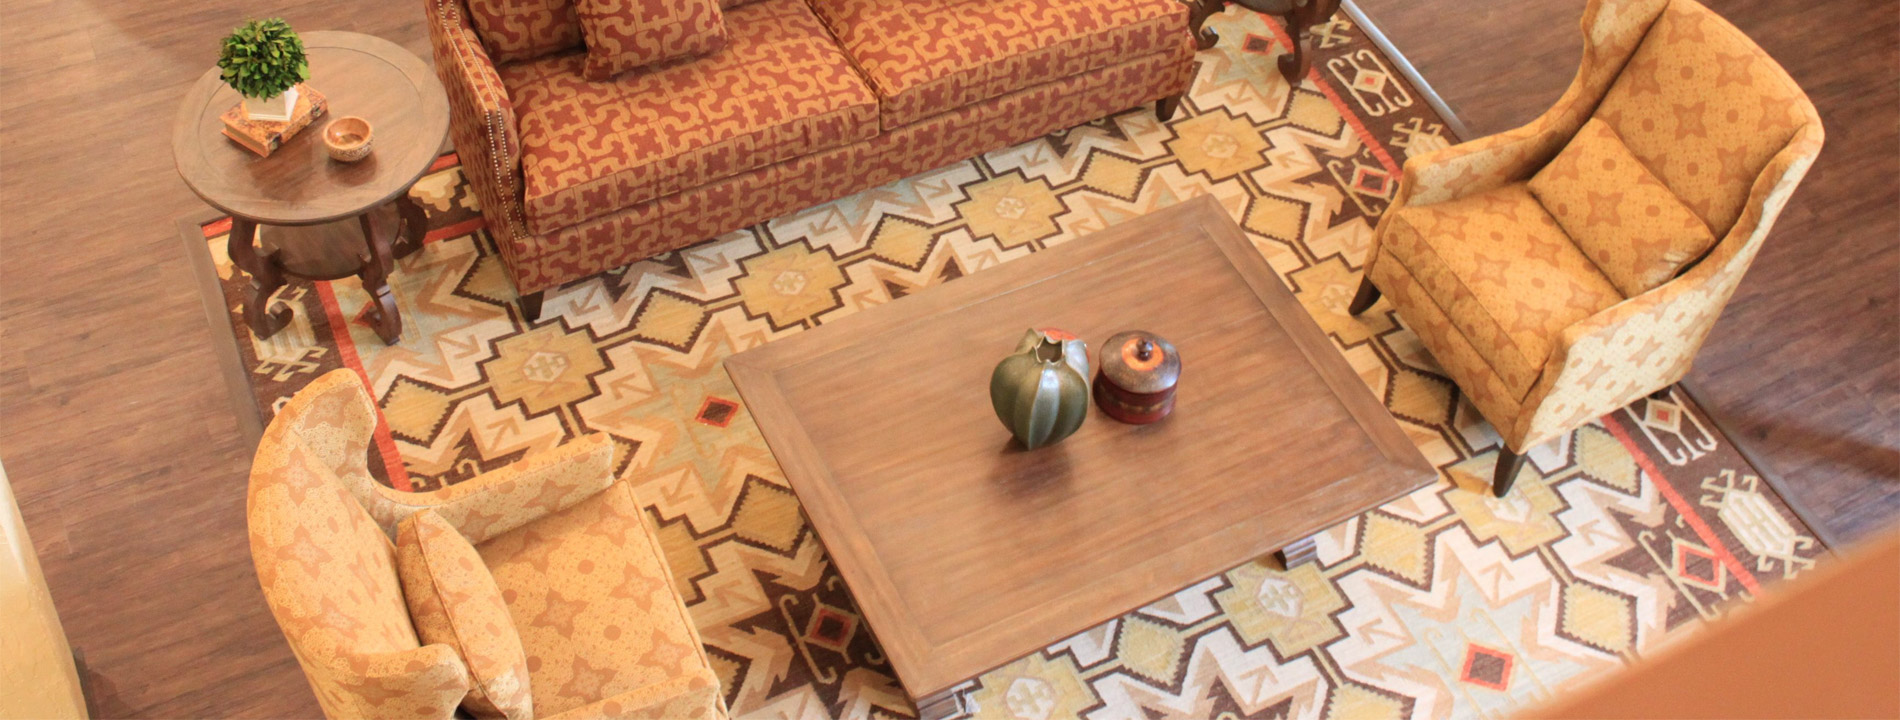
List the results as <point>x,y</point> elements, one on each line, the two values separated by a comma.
<point>263,58</point>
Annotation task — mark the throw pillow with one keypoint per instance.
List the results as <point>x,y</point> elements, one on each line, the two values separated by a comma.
<point>625,34</point>
<point>455,602</point>
<point>524,29</point>
<point>1626,221</point>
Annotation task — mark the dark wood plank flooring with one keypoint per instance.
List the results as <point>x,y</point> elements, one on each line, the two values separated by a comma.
<point>121,443</point>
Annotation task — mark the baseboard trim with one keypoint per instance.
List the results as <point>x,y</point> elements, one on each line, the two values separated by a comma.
<point>204,272</point>
<point>1405,68</point>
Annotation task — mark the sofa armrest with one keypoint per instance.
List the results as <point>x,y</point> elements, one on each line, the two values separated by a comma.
<point>481,120</point>
<point>495,502</point>
<point>687,697</point>
<point>1642,344</point>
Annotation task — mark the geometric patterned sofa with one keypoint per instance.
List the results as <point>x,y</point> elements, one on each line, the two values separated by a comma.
<point>1526,324</point>
<point>603,629</point>
<point>810,101</point>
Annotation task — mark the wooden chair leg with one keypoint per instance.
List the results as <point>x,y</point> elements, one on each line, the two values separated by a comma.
<point>1165,107</point>
<point>531,305</point>
<point>1509,462</point>
<point>1365,297</point>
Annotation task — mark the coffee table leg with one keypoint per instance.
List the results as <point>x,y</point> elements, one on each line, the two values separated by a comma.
<point>415,224</point>
<point>1303,551</point>
<point>266,278</point>
<point>375,275</point>
<point>946,704</point>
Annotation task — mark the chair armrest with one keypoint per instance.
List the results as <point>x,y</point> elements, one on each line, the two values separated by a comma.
<point>688,697</point>
<point>426,682</point>
<point>495,502</point>
<point>481,120</point>
<point>1606,361</point>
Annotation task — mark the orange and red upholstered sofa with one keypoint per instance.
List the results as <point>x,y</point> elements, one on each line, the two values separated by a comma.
<point>805,101</point>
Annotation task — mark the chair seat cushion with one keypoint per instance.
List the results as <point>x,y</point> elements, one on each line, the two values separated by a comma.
<point>454,601</point>
<point>1499,267</point>
<point>1621,217</point>
<point>780,89</point>
<point>594,603</point>
<point>926,57</point>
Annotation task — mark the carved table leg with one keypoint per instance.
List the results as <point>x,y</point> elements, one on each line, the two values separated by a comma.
<point>415,224</point>
<point>1302,551</point>
<point>1198,13</point>
<point>1301,19</point>
<point>266,278</point>
<point>375,275</point>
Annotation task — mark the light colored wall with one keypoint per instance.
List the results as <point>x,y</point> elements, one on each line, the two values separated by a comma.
<point>37,679</point>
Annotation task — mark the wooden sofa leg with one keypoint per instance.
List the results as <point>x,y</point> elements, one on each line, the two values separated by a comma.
<point>531,305</point>
<point>1165,107</point>
<point>1509,462</point>
<point>1367,295</point>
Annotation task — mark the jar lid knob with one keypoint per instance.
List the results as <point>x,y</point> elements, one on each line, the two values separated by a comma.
<point>1144,349</point>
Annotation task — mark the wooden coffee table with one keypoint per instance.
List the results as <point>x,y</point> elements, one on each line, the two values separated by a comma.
<point>966,552</point>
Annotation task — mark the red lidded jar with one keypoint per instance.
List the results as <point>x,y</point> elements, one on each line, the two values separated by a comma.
<point>1138,374</point>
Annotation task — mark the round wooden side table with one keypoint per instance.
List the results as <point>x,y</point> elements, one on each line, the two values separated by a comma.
<point>323,219</point>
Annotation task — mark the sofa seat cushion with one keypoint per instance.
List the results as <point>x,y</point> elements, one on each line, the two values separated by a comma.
<point>594,603</point>
<point>926,57</point>
<point>1507,277</point>
<point>780,89</point>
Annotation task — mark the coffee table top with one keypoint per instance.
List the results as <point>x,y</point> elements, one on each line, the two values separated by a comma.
<point>299,184</point>
<point>966,552</point>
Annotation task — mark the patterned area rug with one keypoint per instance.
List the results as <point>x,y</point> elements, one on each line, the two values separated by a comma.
<point>1445,603</point>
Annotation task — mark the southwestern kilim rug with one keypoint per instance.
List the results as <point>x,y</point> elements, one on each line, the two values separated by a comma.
<point>1447,603</point>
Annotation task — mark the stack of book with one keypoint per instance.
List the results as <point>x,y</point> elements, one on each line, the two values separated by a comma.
<point>265,136</point>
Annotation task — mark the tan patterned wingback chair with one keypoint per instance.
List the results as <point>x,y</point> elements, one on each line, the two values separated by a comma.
<point>1524,322</point>
<point>554,529</point>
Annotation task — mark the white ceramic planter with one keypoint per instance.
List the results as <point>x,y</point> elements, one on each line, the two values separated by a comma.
<point>276,109</point>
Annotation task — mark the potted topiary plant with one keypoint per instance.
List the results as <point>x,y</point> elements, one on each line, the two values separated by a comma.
<point>264,60</point>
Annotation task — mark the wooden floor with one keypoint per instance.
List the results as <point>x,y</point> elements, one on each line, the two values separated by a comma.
<point>120,440</point>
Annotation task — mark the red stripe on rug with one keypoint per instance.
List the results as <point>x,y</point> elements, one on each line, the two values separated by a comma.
<point>217,227</point>
<point>454,231</point>
<point>447,160</point>
<point>1682,505</point>
<point>1338,101</point>
<point>346,350</point>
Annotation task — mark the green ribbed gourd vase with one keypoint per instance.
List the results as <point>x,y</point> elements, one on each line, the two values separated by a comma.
<point>1041,391</point>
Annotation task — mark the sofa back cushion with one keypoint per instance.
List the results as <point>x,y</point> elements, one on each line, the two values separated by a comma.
<point>513,30</point>
<point>1704,108</point>
<point>525,29</point>
<point>1617,212</point>
<point>625,34</point>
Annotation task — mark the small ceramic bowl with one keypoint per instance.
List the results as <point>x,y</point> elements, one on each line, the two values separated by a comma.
<point>347,139</point>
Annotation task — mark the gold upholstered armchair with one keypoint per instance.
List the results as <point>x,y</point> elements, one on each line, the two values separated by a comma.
<point>536,590</point>
<point>1563,269</point>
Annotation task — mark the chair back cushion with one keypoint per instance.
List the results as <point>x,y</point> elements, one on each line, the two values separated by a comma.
<point>328,571</point>
<point>454,601</point>
<point>625,34</point>
<point>1617,212</point>
<point>525,29</point>
<point>1704,109</point>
